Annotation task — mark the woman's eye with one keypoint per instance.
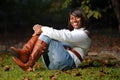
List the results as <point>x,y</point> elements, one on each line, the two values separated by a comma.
<point>71,18</point>
<point>77,18</point>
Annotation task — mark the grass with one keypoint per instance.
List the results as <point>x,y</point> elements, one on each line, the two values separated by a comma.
<point>10,71</point>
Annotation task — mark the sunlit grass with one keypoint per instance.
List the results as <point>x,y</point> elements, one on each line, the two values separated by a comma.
<point>10,71</point>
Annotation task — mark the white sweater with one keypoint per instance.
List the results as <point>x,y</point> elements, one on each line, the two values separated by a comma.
<point>77,38</point>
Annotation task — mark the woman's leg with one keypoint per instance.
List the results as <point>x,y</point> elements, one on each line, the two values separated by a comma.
<point>38,49</point>
<point>57,56</point>
<point>23,54</point>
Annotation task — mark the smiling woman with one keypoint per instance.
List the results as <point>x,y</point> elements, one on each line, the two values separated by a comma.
<point>66,47</point>
<point>77,19</point>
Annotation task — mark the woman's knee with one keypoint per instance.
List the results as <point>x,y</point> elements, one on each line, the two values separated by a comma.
<point>45,38</point>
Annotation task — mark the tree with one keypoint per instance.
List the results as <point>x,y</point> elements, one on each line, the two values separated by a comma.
<point>96,12</point>
<point>21,12</point>
<point>116,6</point>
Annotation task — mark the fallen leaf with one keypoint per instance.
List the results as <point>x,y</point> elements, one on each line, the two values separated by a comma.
<point>30,69</point>
<point>36,74</point>
<point>38,66</point>
<point>27,79</point>
<point>58,72</point>
<point>92,53</point>
<point>101,73</point>
<point>78,74</point>
<point>53,77</point>
<point>41,79</point>
<point>67,72</point>
<point>1,59</point>
<point>7,68</point>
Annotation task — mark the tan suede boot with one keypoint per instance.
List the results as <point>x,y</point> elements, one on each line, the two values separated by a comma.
<point>38,50</point>
<point>25,52</point>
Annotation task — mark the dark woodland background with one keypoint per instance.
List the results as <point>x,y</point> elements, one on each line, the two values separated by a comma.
<point>17,17</point>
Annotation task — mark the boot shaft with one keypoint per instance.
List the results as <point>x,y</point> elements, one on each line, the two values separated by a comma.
<point>37,51</point>
<point>30,44</point>
<point>24,53</point>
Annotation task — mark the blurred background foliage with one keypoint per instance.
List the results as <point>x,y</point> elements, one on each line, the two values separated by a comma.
<point>19,14</point>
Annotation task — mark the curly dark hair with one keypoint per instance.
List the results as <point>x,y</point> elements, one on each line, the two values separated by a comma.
<point>78,12</point>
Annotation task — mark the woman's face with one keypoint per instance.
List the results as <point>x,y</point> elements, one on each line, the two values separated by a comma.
<point>75,21</point>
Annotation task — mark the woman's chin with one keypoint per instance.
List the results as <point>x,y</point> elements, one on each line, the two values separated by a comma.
<point>76,27</point>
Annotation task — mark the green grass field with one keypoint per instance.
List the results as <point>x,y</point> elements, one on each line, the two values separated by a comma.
<point>10,71</point>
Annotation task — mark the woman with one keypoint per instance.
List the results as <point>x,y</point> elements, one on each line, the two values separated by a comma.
<point>66,48</point>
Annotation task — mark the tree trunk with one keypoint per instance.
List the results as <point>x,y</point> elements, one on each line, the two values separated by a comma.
<point>116,6</point>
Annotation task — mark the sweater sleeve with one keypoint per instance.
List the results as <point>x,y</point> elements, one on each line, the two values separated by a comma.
<point>64,34</point>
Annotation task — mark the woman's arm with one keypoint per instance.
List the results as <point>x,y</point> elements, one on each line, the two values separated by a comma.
<point>64,34</point>
<point>61,35</point>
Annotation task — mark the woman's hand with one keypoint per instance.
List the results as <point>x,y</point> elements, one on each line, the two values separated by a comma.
<point>37,29</point>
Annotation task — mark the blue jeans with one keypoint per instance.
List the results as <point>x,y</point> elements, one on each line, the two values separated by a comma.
<point>57,57</point>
